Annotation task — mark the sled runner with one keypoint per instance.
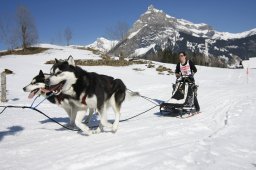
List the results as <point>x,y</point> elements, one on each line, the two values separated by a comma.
<point>183,102</point>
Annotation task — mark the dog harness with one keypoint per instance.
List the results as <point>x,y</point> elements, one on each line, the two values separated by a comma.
<point>60,98</point>
<point>84,100</point>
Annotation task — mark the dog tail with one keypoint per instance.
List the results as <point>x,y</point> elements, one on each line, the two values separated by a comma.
<point>130,93</point>
<point>119,89</point>
<point>121,92</point>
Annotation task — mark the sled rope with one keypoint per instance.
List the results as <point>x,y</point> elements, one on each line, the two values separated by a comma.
<point>42,113</point>
<point>41,101</point>
<point>35,109</point>
<point>138,114</point>
<point>39,111</point>
<point>146,98</point>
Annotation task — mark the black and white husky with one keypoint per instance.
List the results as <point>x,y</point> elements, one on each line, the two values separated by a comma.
<point>88,90</point>
<point>37,87</point>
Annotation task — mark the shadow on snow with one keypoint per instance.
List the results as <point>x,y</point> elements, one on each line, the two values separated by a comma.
<point>10,132</point>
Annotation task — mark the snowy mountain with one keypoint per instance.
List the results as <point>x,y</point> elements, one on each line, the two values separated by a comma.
<point>156,31</point>
<point>103,44</point>
<point>227,35</point>
<point>221,137</point>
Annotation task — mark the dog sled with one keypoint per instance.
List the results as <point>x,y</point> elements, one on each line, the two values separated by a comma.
<point>183,102</point>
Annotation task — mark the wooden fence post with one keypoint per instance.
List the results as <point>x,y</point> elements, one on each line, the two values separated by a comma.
<point>3,87</point>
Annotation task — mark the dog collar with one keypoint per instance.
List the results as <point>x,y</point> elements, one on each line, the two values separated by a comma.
<point>60,98</point>
<point>84,99</point>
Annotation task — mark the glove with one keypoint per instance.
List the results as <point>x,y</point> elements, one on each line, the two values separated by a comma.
<point>179,79</point>
<point>178,76</point>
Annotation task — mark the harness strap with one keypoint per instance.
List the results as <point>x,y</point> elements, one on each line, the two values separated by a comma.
<point>60,98</point>
<point>50,95</point>
<point>84,100</point>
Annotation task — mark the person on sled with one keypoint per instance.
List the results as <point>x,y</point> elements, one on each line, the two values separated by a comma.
<point>186,67</point>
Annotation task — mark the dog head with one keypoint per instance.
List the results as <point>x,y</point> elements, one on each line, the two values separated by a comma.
<point>62,76</point>
<point>36,85</point>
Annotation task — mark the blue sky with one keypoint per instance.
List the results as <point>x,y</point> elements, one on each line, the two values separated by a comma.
<point>89,19</point>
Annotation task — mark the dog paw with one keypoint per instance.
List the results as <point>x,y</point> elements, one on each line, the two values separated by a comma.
<point>71,125</point>
<point>88,133</point>
<point>96,131</point>
<point>114,129</point>
<point>85,133</point>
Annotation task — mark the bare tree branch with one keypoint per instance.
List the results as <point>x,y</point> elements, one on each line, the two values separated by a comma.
<point>68,35</point>
<point>26,27</point>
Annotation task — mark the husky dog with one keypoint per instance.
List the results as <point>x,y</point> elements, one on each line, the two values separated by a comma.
<point>38,87</point>
<point>88,90</point>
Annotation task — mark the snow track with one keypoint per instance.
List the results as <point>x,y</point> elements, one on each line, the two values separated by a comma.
<point>221,137</point>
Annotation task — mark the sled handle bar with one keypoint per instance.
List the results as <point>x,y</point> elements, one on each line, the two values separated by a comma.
<point>187,76</point>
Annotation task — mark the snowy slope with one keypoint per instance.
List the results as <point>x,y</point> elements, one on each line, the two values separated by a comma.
<point>221,137</point>
<point>227,35</point>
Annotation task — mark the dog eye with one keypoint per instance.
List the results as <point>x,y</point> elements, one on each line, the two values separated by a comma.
<point>59,72</point>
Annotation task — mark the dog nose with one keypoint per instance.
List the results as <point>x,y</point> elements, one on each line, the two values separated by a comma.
<point>24,88</point>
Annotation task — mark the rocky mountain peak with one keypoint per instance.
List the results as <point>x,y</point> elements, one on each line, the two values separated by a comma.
<point>155,32</point>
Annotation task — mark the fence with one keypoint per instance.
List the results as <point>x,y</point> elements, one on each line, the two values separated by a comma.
<point>3,87</point>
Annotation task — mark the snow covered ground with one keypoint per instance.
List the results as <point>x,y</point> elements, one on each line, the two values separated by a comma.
<point>221,137</point>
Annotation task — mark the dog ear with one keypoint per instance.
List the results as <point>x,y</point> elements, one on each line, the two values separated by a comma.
<point>41,73</point>
<point>71,61</point>
<point>56,60</point>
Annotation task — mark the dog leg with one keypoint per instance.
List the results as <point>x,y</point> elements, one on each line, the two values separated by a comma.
<point>88,118</point>
<point>73,116</point>
<point>103,118</point>
<point>99,129</point>
<point>71,120</point>
<point>68,110</point>
<point>116,109</point>
<point>79,118</point>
